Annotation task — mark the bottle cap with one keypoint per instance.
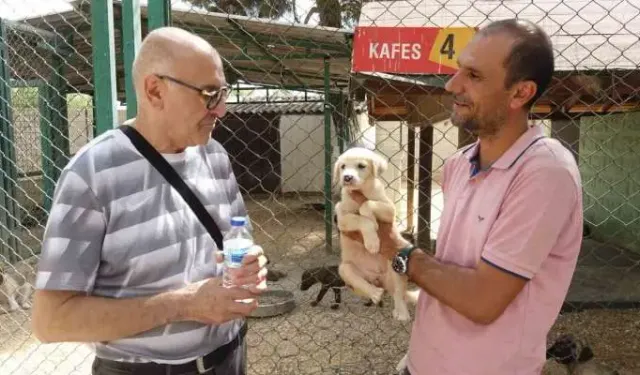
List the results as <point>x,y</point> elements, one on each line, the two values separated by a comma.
<point>238,221</point>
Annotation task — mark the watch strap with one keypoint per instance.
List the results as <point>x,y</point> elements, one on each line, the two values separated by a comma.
<point>406,251</point>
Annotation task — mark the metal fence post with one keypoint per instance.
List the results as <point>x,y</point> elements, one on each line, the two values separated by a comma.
<point>54,125</point>
<point>104,65</point>
<point>131,35</point>
<point>328,205</point>
<point>159,14</point>
<point>8,171</point>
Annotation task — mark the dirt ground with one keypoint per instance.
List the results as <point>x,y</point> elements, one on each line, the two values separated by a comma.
<point>353,339</point>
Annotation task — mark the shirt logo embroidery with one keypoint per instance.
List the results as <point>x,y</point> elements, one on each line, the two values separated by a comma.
<point>480,218</point>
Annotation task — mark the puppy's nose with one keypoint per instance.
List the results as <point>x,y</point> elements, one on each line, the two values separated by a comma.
<point>347,178</point>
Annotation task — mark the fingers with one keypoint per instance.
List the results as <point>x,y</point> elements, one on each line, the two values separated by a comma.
<point>259,288</point>
<point>252,279</point>
<point>253,269</point>
<point>354,235</point>
<point>238,309</point>
<point>255,253</point>
<point>236,303</point>
<point>357,196</point>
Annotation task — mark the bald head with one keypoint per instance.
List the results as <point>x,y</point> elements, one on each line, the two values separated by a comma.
<point>167,49</point>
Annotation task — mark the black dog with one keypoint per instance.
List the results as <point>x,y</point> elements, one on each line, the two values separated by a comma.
<point>577,356</point>
<point>328,277</point>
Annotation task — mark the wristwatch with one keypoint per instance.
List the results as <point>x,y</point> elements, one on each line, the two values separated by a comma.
<point>400,262</point>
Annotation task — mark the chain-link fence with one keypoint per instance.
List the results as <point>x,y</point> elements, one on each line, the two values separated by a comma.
<point>305,87</point>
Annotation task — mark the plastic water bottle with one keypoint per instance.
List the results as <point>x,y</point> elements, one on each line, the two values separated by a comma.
<point>237,243</point>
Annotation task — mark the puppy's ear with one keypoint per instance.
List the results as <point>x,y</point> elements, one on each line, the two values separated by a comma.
<point>305,275</point>
<point>378,164</point>
<point>336,171</point>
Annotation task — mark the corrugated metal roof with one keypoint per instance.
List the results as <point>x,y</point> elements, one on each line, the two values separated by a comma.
<point>586,34</point>
<point>282,108</point>
<point>261,51</point>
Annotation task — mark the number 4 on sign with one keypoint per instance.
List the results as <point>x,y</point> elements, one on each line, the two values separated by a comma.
<point>449,43</point>
<point>447,47</point>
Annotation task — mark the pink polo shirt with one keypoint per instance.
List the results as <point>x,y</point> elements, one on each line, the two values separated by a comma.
<point>523,215</point>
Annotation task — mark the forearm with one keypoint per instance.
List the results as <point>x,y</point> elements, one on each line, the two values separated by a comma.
<point>81,318</point>
<point>454,286</point>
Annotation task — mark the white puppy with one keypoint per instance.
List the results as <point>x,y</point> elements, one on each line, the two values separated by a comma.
<point>363,268</point>
<point>16,283</point>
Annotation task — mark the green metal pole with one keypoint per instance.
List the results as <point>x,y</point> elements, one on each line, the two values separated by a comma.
<point>347,134</point>
<point>328,151</point>
<point>159,14</point>
<point>131,37</point>
<point>8,169</point>
<point>104,65</point>
<point>54,127</point>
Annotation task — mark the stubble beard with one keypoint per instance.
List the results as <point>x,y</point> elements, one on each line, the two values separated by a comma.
<point>487,127</point>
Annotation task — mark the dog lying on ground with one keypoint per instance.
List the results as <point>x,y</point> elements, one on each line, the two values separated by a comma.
<point>329,278</point>
<point>274,275</point>
<point>567,351</point>
<point>577,357</point>
<point>16,283</point>
<point>362,267</point>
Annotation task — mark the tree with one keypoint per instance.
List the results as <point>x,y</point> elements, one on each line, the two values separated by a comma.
<point>332,13</point>
<point>250,8</point>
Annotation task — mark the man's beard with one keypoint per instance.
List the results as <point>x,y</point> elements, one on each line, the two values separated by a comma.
<point>485,127</point>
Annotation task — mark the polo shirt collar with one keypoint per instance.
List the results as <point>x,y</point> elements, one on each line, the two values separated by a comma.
<point>511,156</point>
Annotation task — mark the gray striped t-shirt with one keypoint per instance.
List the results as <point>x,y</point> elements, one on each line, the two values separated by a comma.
<point>118,229</point>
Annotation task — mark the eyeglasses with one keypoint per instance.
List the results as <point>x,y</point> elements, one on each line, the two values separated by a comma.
<point>212,97</point>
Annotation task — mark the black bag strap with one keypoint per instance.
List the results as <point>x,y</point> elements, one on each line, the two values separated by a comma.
<point>170,174</point>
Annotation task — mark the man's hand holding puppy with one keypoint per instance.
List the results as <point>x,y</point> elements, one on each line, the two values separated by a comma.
<point>389,242</point>
<point>481,294</point>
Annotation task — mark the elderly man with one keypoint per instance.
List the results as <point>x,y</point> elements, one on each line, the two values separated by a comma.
<point>126,264</point>
<point>511,228</point>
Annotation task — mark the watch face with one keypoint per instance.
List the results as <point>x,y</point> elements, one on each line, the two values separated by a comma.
<point>398,264</point>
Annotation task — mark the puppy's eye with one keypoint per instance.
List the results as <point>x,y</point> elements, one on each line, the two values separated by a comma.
<point>342,166</point>
<point>362,166</point>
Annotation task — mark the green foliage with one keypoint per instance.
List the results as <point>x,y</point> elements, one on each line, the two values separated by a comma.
<point>27,97</point>
<point>332,13</point>
<point>250,8</point>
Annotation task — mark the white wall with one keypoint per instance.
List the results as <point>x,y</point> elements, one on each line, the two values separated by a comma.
<point>391,140</point>
<point>302,152</point>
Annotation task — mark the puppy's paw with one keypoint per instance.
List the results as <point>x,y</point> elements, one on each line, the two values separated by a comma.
<point>402,365</point>
<point>376,295</point>
<point>401,314</point>
<point>314,303</point>
<point>372,244</point>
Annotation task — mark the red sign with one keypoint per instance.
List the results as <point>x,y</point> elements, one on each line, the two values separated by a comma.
<point>409,50</point>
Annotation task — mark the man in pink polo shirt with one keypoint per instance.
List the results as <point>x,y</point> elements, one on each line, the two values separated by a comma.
<point>511,228</point>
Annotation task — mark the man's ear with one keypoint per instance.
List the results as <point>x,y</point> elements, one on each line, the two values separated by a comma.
<point>524,91</point>
<point>154,90</point>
